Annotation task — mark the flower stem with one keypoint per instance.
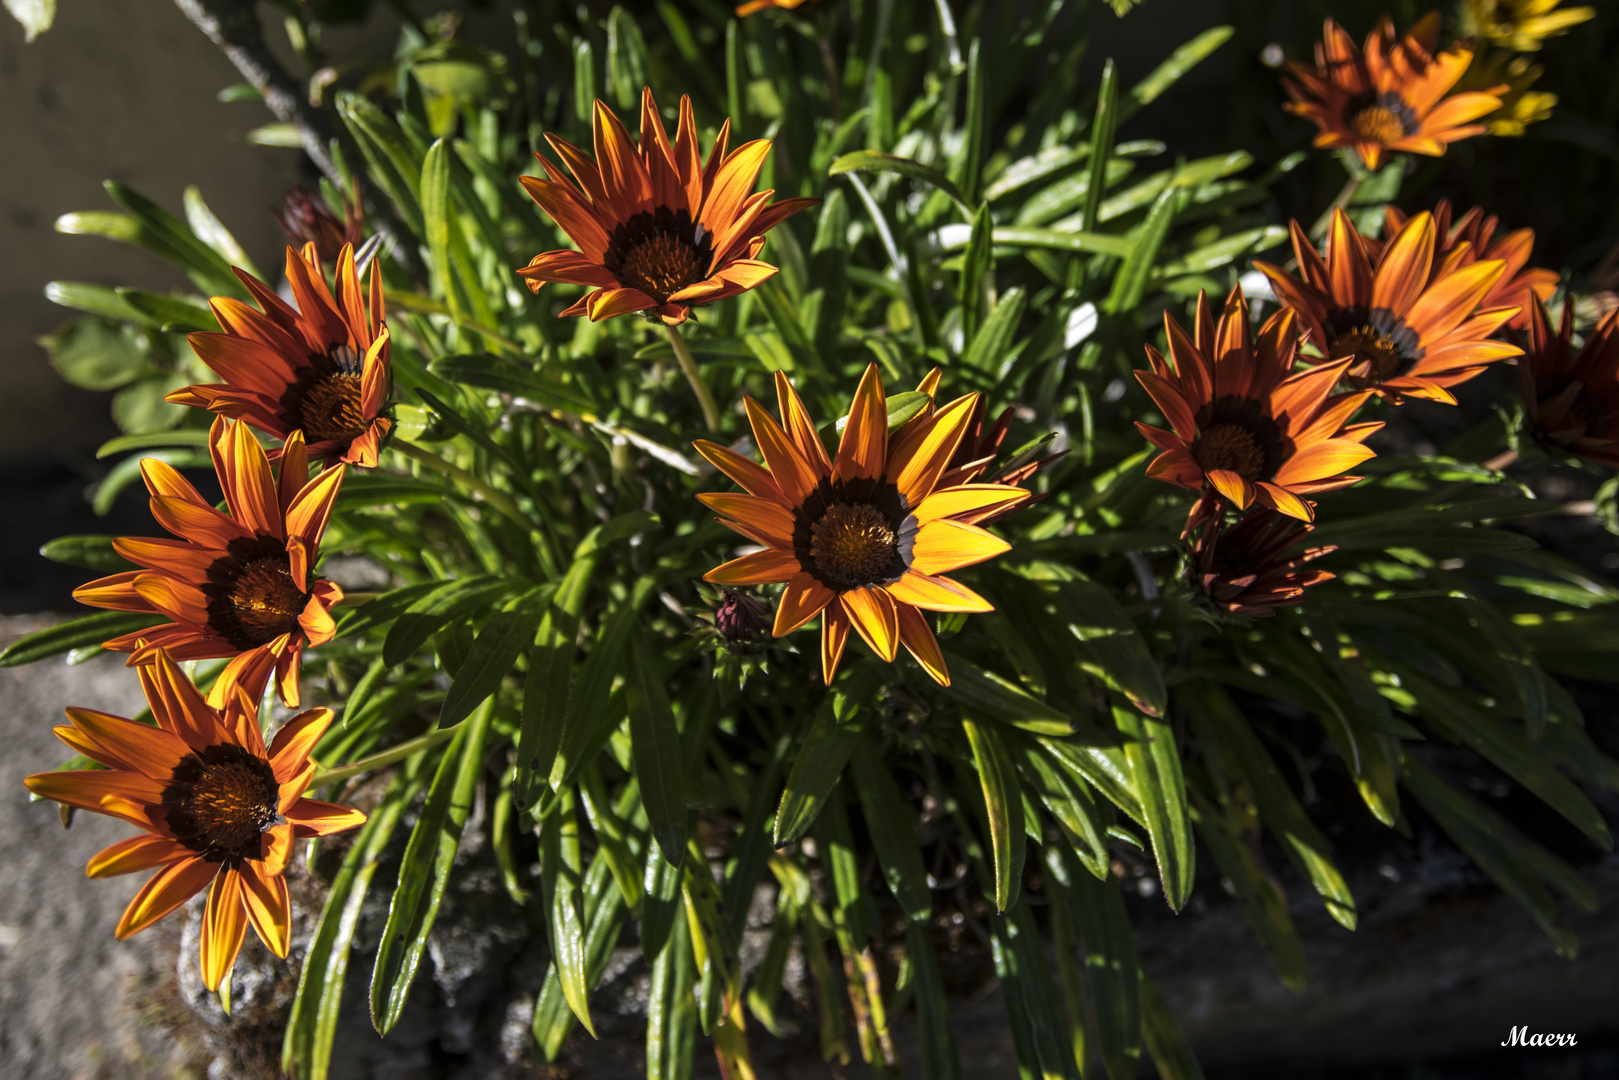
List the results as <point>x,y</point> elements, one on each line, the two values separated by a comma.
<point>1347,192</point>
<point>705,397</point>
<point>492,495</point>
<point>386,757</point>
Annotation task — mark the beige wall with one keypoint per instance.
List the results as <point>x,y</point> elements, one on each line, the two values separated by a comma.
<point>122,90</point>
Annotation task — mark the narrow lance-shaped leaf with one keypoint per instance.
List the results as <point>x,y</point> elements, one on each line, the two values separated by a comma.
<point>655,749</point>
<point>1168,1047</point>
<point>1116,650</point>
<point>1263,901</point>
<point>1003,805</point>
<point>1112,971</point>
<point>560,877</point>
<point>893,833</point>
<point>1155,767</point>
<point>1107,110</point>
<point>816,767</point>
<point>976,264</point>
<point>425,869</point>
<point>493,653</point>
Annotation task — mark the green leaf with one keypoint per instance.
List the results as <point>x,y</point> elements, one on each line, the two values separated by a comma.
<point>1111,970</point>
<point>1220,723</point>
<point>139,408</point>
<point>211,231</point>
<point>969,162</point>
<point>1102,127</point>
<point>394,166</point>
<point>893,833</point>
<point>197,437</point>
<point>90,552</point>
<point>655,749</point>
<point>169,237</point>
<point>1118,653</point>
<point>496,649</point>
<point>1039,1032</point>
<point>489,373</point>
<point>1170,1051</point>
<point>96,355</point>
<point>35,16</point>
<point>626,58</point>
<point>990,346</point>
<point>1263,901</point>
<point>1181,61</point>
<point>872,161</point>
<point>560,878</point>
<point>128,471</point>
<point>74,634</point>
<point>102,300</point>
<point>312,1020</point>
<point>976,264</point>
<point>1088,243</point>
<point>1131,281</point>
<point>1155,767</point>
<point>816,768</point>
<point>936,1036</point>
<point>785,319</point>
<point>984,692</point>
<point>425,870</point>
<point>589,715</point>
<point>603,921</point>
<point>428,613</point>
<point>661,913</point>
<point>1003,805</point>
<point>1068,801</point>
<point>671,1010</point>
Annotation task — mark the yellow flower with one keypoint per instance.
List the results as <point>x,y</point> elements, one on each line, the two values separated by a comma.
<point>1520,106</point>
<point>1519,25</point>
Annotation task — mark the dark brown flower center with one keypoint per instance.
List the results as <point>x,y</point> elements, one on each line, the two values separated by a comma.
<point>1382,345</point>
<point>659,253</point>
<point>1386,120</point>
<point>329,405</point>
<point>220,800</point>
<point>252,597</point>
<point>1231,447</point>
<point>854,533</point>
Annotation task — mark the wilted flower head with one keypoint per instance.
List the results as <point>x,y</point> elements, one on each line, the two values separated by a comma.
<point>741,619</point>
<point>1572,397</point>
<point>306,219</point>
<point>1395,95</point>
<point>1251,567</point>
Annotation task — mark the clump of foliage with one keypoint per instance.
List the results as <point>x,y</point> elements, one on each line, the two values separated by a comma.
<point>985,213</point>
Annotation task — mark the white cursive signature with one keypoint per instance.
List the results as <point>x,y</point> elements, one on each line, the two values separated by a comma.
<point>1519,1036</point>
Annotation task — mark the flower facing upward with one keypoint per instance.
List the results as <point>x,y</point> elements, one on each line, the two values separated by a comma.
<point>1390,97</point>
<point>1410,322</point>
<point>863,539</point>
<point>1520,25</point>
<point>1240,423</point>
<point>322,370</point>
<point>240,585</point>
<point>1572,397</point>
<point>220,810</point>
<point>658,230</point>
<point>1246,568</point>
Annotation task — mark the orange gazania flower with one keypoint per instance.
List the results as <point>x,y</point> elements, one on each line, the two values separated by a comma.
<point>240,585</point>
<point>1411,326</point>
<point>220,810</point>
<point>322,370</point>
<point>864,539</point>
<point>1240,423</point>
<point>1390,97</point>
<point>1572,396</point>
<point>752,6</point>
<point>1251,568</point>
<point>657,228</point>
<point>1472,238</point>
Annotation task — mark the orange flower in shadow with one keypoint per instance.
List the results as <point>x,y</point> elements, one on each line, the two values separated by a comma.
<point>220,809</point>
<point>1470,239</point>
<point>863,539</point>
<point>658,230</point>
<point>240,585</point>
<point>1571,396</point>
<point>321,370</point>
<point>1241,423</point>
<point>1391,96</point>
<point>1409,324</point>
<point>1251,567</point>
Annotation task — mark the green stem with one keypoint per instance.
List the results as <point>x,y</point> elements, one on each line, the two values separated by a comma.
<point>492,495</point>
<point>385,757</point>
<point>705,397</point>
<point>1347,192</point>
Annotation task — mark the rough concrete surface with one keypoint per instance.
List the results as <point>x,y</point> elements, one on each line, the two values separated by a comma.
<point>64,980</point>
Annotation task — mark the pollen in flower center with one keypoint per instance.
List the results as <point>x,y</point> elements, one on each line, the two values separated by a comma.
<point>1231,447</point>
<point>332,408</point>
<point>219,800</point>
<point>252,596</point>
<point>853,544</point>
<point>659,253</point>
<point>1386,120</point>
